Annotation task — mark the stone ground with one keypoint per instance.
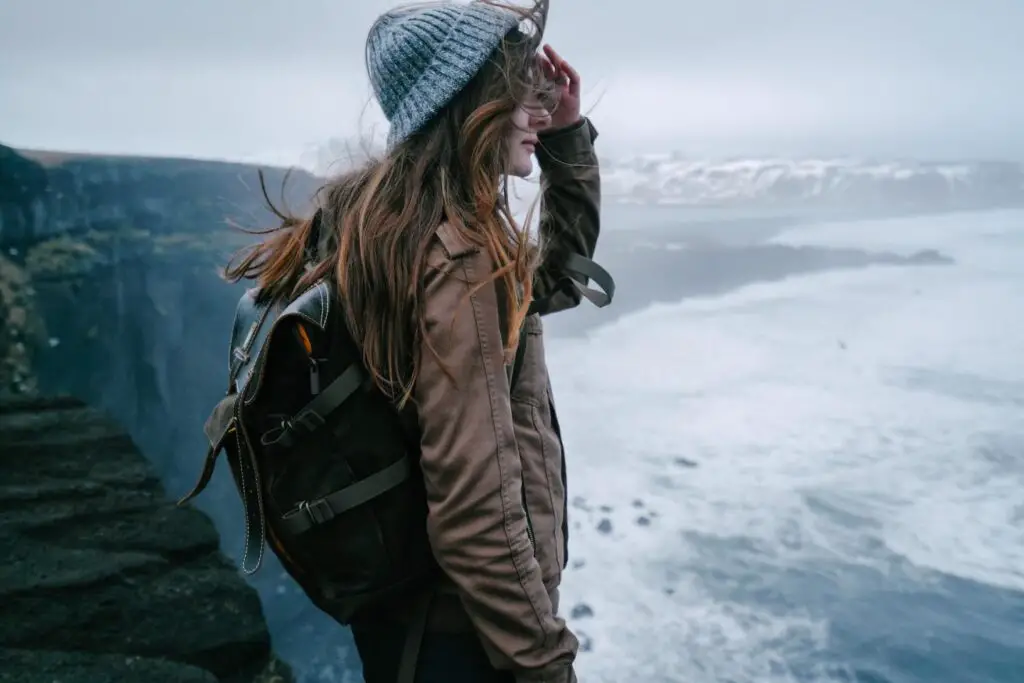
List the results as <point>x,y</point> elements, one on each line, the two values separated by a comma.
<point>102,578</point>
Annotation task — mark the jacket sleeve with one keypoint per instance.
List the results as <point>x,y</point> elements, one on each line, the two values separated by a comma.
<point>570,218</point>
<point>471,467</point>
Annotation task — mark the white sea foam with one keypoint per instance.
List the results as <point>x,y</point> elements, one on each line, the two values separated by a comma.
<point>846,417</point>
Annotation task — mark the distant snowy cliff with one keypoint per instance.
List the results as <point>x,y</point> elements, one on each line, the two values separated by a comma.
<point>838,183</point>
<point>845,184</point>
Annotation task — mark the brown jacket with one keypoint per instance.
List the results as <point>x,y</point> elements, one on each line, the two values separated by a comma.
<point>493,462</point>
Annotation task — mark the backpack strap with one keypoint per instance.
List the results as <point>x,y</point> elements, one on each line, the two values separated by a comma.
<point>579,272</point>
<point>218,426</point>
<point>414,638</point>
<point>311,513</point>
<point>312,417</point>
<point>517,364</point>
<point>314,414</point>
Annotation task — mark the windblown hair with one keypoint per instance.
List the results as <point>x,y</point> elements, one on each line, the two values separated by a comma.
<point>380,218</point>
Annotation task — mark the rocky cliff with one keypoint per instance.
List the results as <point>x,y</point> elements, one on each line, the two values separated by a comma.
<point>102,578</point>
<point>110,292</point>
<point>47,194</point>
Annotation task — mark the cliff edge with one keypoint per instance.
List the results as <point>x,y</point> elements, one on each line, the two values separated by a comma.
<point>102,578</point>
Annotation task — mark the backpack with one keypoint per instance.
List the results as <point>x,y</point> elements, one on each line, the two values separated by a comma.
<point>325,465</point>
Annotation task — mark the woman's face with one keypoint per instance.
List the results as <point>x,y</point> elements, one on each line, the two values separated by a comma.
<point>528,119</point>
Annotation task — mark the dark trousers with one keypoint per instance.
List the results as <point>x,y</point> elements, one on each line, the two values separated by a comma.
<point>443,657</point>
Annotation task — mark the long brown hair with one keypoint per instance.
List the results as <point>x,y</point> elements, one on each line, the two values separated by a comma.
<point>379,219</point>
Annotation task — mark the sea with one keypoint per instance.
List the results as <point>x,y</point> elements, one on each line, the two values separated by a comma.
<point>817,478</point>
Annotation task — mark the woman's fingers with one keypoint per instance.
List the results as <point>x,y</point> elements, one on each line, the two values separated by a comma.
<point>547,67</point>
<point>563,68</point>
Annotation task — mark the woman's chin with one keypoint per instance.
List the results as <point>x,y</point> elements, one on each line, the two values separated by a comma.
<point>522,168</point>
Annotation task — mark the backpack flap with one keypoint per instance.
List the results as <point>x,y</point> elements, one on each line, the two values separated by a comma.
<point>251,326</point>
<point>312,306</point>
<point>247,329</point>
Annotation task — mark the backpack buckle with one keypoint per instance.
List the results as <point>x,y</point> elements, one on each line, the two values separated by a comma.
<point>309,420</point>
<point>319,511</point>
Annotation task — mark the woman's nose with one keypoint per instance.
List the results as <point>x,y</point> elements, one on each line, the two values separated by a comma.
<point>540,119</point>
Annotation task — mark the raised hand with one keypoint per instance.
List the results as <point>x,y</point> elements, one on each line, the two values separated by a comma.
<point>566,110</point>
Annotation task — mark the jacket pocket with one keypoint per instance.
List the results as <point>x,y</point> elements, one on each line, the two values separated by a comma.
<point>542,487</point>
<point>531,384</point>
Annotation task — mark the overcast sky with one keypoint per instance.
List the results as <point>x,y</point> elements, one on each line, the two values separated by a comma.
<point>274,79</point>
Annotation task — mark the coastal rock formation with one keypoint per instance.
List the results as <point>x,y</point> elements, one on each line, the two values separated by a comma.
<point>102,577</point>
<point>110,268</point>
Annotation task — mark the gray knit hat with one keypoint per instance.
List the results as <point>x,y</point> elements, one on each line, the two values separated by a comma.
<point>419,57</point>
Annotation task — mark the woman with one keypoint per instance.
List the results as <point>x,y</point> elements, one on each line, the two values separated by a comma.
<point>437,280</point>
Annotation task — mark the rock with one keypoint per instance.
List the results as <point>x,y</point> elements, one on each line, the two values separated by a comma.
<point>643,520</point>
<point>30,666</point>
<point>102,578</point>
<point>581,611</point>
<point>929,256</point>
<point>23,184</point>
<point>580,503</point>
<point>605,526</point>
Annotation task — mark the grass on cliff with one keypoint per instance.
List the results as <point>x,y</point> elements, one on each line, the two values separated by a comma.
<point>21,329</point>
<point>67,262</point>
<point>71,257</point>
<point>62,256</point>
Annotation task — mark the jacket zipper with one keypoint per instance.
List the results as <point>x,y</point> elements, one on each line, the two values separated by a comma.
<point>529,521</point>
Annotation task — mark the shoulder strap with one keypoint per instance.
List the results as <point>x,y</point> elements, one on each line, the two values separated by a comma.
<point>517,364</point>
<point>579,272</point>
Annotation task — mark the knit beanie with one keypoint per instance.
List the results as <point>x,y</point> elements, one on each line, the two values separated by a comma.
<point>419,57</point>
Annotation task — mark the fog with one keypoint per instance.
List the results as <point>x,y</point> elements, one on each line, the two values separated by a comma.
<point>274,80</point>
